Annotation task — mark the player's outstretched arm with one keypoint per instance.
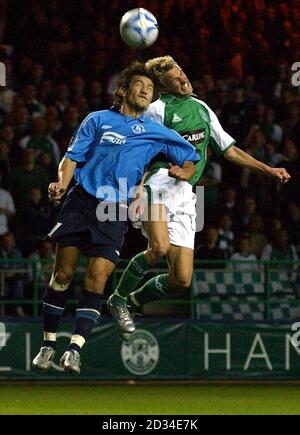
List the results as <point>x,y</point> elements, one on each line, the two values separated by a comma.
<point>183,173</point>
<point>66,170</point>
<point>239,157</point>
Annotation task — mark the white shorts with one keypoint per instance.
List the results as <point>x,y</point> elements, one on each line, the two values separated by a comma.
<point>180,203</point>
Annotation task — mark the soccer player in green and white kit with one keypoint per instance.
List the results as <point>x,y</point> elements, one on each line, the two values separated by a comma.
<point>177,109</point>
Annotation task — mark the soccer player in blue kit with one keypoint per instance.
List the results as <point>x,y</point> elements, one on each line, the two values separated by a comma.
<point>108,146</point>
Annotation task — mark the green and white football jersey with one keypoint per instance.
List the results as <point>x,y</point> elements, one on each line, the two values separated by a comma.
<point>194,121</point>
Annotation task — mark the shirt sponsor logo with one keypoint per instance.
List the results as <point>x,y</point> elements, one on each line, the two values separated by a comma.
<point>194,137</point>
<point>113,137</point>
<point>138,129</point>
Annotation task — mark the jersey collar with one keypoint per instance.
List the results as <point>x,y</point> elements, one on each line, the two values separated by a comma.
<point>168,98</point>
<point>129,118</point>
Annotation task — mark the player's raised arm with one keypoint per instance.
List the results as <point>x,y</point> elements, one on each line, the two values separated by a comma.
<point>239,157</point>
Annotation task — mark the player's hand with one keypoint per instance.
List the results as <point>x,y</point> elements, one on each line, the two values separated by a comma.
<point>177,172</point>
<point>137,207</point>
<point>281,175</point>
<point>56,192</point>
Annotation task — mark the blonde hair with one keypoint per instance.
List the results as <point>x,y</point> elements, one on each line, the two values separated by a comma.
<point>159,66</point>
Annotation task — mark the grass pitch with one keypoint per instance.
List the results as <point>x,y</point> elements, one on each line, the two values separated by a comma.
<point>149,399</point>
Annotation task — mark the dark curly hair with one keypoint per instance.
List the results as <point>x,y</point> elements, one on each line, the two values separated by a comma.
<point>124,80</point>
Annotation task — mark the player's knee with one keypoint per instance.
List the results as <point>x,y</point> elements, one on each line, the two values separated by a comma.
<point>180,283</point>
<point>61,279</point>
<point>97,279</point>
<point>160,250</point>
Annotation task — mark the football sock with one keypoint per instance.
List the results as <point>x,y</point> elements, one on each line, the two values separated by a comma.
<point>53,308</point>
<point>87,315</point>
<point>155,288</point>
<point>132,276</point>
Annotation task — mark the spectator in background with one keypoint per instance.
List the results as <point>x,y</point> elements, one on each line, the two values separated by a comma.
<point>257,236</point>
<point>235,115</point>
<point>7,209</point>
<point>62,98</point>
<point>40,141</point>
<point>273,156</point>
<point>13,281</point>
<point>36,220</point>
<point>46,162</point>
<point>37,74</point>
<point>209,250</point>
<point>245,256</point>
<point>211,178</point>
<point>293,224</point>
<point>292,164</point>
<point>248,210</point>
<point>21,122</point>
<point>7,134</point>
<point>43,268</point>
<point>226,235</point>
<point>280,248</point>
<point>52,121</point>
<point>292,122</point>
<point>96,98</point>
<point>71,120</point>
<point>228,202</point>
<point>272,131</point>
<point>6,98</point>
<point>5,163</point>
<point>35,107</point>
<point>25,177</point>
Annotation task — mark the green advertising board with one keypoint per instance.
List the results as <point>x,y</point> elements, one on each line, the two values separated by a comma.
<point>161,350</point>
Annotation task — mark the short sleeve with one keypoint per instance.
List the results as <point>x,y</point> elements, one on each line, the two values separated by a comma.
<point>220,140</point>
<point>156,111</point>
<point>81,142</point>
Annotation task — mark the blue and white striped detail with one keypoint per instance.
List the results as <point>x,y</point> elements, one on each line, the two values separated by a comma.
<point>88,313</point>
<point>53,309</point>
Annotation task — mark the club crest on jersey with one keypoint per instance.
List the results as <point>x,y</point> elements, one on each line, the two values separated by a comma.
<point>112,137</point>
<point>138,129</point>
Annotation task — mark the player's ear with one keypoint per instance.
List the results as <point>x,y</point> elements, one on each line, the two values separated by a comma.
<point>121,92</point>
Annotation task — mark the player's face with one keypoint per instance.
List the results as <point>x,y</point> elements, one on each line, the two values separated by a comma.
<point>177,83</point>
<point>140,93</point>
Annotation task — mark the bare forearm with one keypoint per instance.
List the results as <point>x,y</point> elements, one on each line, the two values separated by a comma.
<point>66,171</point>
<point>239,157</point>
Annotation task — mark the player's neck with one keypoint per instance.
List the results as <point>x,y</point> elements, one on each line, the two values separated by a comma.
<point>131,111</point>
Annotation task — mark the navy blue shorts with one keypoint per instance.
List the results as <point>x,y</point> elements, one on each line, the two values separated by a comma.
<point>78,226</point>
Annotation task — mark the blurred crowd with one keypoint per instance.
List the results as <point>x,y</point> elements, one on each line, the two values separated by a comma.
<point>61,60</point>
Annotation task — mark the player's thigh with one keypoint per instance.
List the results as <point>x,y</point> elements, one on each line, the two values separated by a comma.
<point>98,271</point>
<point>181,264</point>
<point>156,226</point>
<point>66,260</point>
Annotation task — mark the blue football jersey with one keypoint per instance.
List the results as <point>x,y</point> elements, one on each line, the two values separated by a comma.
<point>113,150</point>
